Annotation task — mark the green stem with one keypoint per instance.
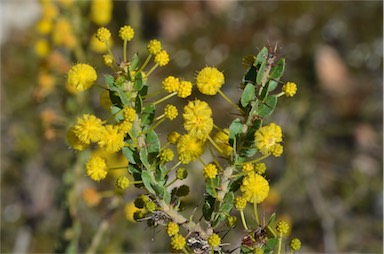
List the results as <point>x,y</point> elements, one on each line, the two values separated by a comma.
<point>151,70</point>
<point>243,220</point>
<point>110,52</point>
<point>256,160</point>
<point>230,101</point>
<point>279,242</point>
<point>173,181</point>
<point>125,51</point>
<point>213,188</point>
<point>164,98</point>
<point>185,251</point>
<point>214,144</point>
<point>256,213</point>
<point>174,167</point>
<point>145,63</point>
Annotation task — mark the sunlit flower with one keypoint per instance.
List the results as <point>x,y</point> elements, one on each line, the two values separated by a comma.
<point>126,33</point>
<point>162,58</point>
<point>173,137</point>
<point>171,84</point>
<point>81,76</point>
<point>178,242</point>
<point>267,137</point>
<point>101,11</point>
<point>88,128</point>
<point>198,119</point>
<point>111,139</point>
<point>96,168</point>
<point>255,188</point>
<point>172,228</point>
<point>210,171</point>
<point>214,240</point>
<point>209,80</point>
<point>103,34</point>
<point>289,89</point>
<point>170,112</point>
<point>74,141</point>
<point>122,182</point>
<point>185,89</point>
<point>154,47</point>
<point>189,148</point>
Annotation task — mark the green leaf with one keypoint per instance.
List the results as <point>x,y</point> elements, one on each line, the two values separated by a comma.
<point>278,70</point>
<point>167,197</point>
<point>272,85</point>
<point>271,243</point>
<point>116,112</point>
<point>248,94</point>
<point>260,72</point>
<point>235,130</point>
<point>133,62</point>
<point>266,109</point>
<point>271,219</point>
<point>148,114</point>
<point>134,169</point>
<point>138,104</point>
<point>245,249</point>
<point>144,158</point>
<point>210,186</point>
<point>123,97</point>
<point>147,181</point>
<point>264,92</point>
<point>109,80</point>
<point>250,76</point>
<point>261,56</point>
<point>144,90</point>
<point>153,142</point>
<point>138,85</point>
<point>208,207</point>
<point>218,218</point>
<point>129,154</point>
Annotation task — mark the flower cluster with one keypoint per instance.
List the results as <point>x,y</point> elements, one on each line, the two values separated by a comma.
<point>234,173</point>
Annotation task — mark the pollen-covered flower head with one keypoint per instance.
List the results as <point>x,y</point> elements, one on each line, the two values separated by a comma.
<point>198,119</point>
<point>189,148</point>
<point>289,89</point>
<point>170,112</point>
<point>81,76</point>
<point>255,188</point>
<point>210,171</point>
<point>267,137</point>
<point>88,128</point>
<point>209,80</point>
<point>154,47</point>
<point>126,33</point>
<point>221,140</point>
<point>185,89</point>
<point>103,34</point>
<point>111,140</point>
<point>96,168</point>
<point>171,84</point>
<point>162,58</point>
<point>75,142</point>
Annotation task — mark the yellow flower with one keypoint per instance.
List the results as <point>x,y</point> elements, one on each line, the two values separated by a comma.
<point>122,182</point>
<point>277,150</point>
<point>248,168</point>
<point>101,11</point>
<point>74,141</point>
<point>154,47</point>
<point>221,140</point>
<point>88,128</point>
<point>178,242</point>
<point>267,137</point>
<point>282,227</point>
<point>81,76</point>
<point>111,139</point>
<point>108,60</point>
<point>171,84</point>
<point>105,100</point>
<point>44,26</point>
<point>166,155</point>
<point>240,203</point>
<point>49,11</point>
<point>129,114</point>
<point>162,58</point>
<point>185,89</point>
<point>126,33</point>
<point>198,119</point>
<point>214,240</point>
<point>98,46</point>
<point>260,168</point>
<point>255,188</point>
<point>173,137</point>
<point>172,228</point>
<point>170,112</point>
<point>295,244</point>
<point>289,89</point>
<point>189,148</point>
<point>209,80</point>
<point>103,34</point>
<point>42,48</point>
<point>210,171</point>
<point>96,168</point>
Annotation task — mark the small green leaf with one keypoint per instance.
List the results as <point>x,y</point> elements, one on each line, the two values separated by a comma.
<point>267,107</point>
<point>278,70</point>
<point>235,130</point>
<point>147,181</point>
<point>245,249</point>
<point>134,169</point>
<point>116,112</point>
<point>134,61</point>
<point>208,207</point>
<point>153,142</point>
<point>109,80</point>
<point>248,94</point>
<point>272,85</point>
<point>271,219</point>
<point>260,72</point>
<point>144,158</point>
<point>261,56</point>
<point>123,97</point>
<point>219,218</point>
<point>148,114</point>
<point>271,243</point>
<point>167,197</point>
<point>128,153</point>
<point>138,82</point>
<point>210,186</point>
<point>264,92</point>
<point>250,76</point>
<point>138,104</point>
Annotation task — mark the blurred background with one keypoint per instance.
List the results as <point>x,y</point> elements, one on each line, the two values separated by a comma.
<point>329,182</point>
